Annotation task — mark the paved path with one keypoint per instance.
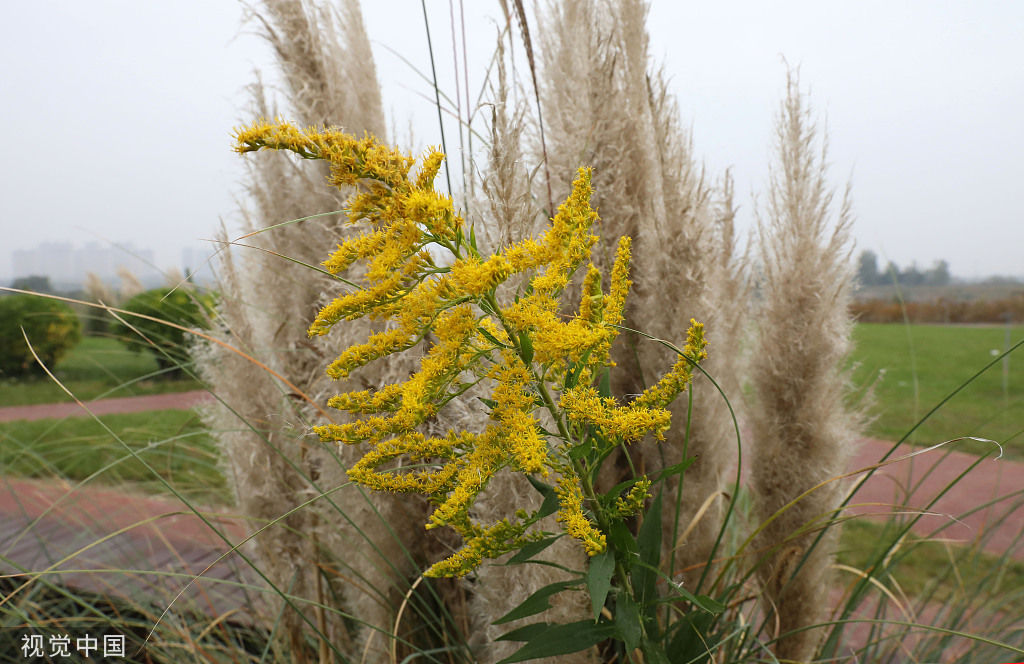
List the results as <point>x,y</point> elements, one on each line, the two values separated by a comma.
<point>107,540</point>
<point>171,401</point>
<point>118,541</point>
<point>912,484</point>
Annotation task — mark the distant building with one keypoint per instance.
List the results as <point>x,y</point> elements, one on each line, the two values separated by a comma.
<point>66,264</point>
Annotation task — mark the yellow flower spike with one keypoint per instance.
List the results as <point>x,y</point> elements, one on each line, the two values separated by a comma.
<point>524,351</point>
<point>570,514</point>
<point>492,542</point>
<point>434,211</point>
<point>619,424</point>
<point>569,238</point>
<point>676,380</point>
<point>349,251</point>
<point>366,401</point>
<point>476,278</point>
<point>378,345</point>
<point>430,168</point>
<point>431,479</point>
<point>620,283</point>
<point>633,501</point>
<point>592,302</point>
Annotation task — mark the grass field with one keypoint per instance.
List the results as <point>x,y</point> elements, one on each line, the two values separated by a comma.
<point>97,367</point>
<point>925,568</point>
<point>173,443</point>
<point>912,369</point>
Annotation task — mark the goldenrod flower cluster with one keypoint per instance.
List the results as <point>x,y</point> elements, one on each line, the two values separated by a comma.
<point>532,358</point>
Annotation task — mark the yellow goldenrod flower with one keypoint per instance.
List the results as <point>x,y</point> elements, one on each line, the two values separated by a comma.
<point>531,356</point>
<point>617,423</point>
<point>633,502</point>
<point>570,514</point>
<point>592,304</point>
<point>676,380</point>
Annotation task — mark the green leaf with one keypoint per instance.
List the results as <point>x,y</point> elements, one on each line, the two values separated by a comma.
<point>526,344</point>
<point>490,403</point>
<point>537,602</point>
<point>571,373</point>
<point>692,643</point>
<point>490,337</point>
<point>675,469</point>
<point>599,579</point>
<point>562,640</point>
<point>572,376</point>
<point>622,540</point>
<point>526,632</point>
<point>549,506</point>
<point>544,489</point>
<point>614,492</point>
<point>655,653</point>
<point>648,543</point>
<point>472,238</point>
<point>533,548</point>
<point>707,604</point>
<point>581,451</point>
<point>627,619</point>
<point>712,606</point>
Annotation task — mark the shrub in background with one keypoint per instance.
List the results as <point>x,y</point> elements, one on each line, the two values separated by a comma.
<point>182,307</point>
<point>51,327</point>
<point>941,310</point>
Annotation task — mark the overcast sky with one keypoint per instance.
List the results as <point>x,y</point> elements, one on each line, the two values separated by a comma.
<point>117,114</point>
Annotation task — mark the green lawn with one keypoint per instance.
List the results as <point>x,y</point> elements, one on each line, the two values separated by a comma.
<point>914,368</point>
<point>173,443</point>
<point>931,569</point>
<point>97,367</point>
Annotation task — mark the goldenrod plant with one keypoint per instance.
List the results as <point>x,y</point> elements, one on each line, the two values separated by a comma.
<point>551,413</point>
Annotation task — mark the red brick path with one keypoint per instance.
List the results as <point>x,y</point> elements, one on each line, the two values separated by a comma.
<point>172,401</point>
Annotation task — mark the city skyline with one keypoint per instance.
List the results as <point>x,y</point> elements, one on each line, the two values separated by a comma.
<point>67,263</point>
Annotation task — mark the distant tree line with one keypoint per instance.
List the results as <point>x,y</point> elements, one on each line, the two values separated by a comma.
<point>35,283</point>
<point>868,273</point>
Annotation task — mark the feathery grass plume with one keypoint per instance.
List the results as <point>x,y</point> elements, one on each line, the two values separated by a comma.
<point>602,106</point>
<point>505,183</point>
<point>803,428</point>
<point>328,78</point>
<point>130,284</point>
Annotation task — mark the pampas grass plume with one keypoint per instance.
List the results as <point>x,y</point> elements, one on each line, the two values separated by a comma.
<point>803,429</point>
